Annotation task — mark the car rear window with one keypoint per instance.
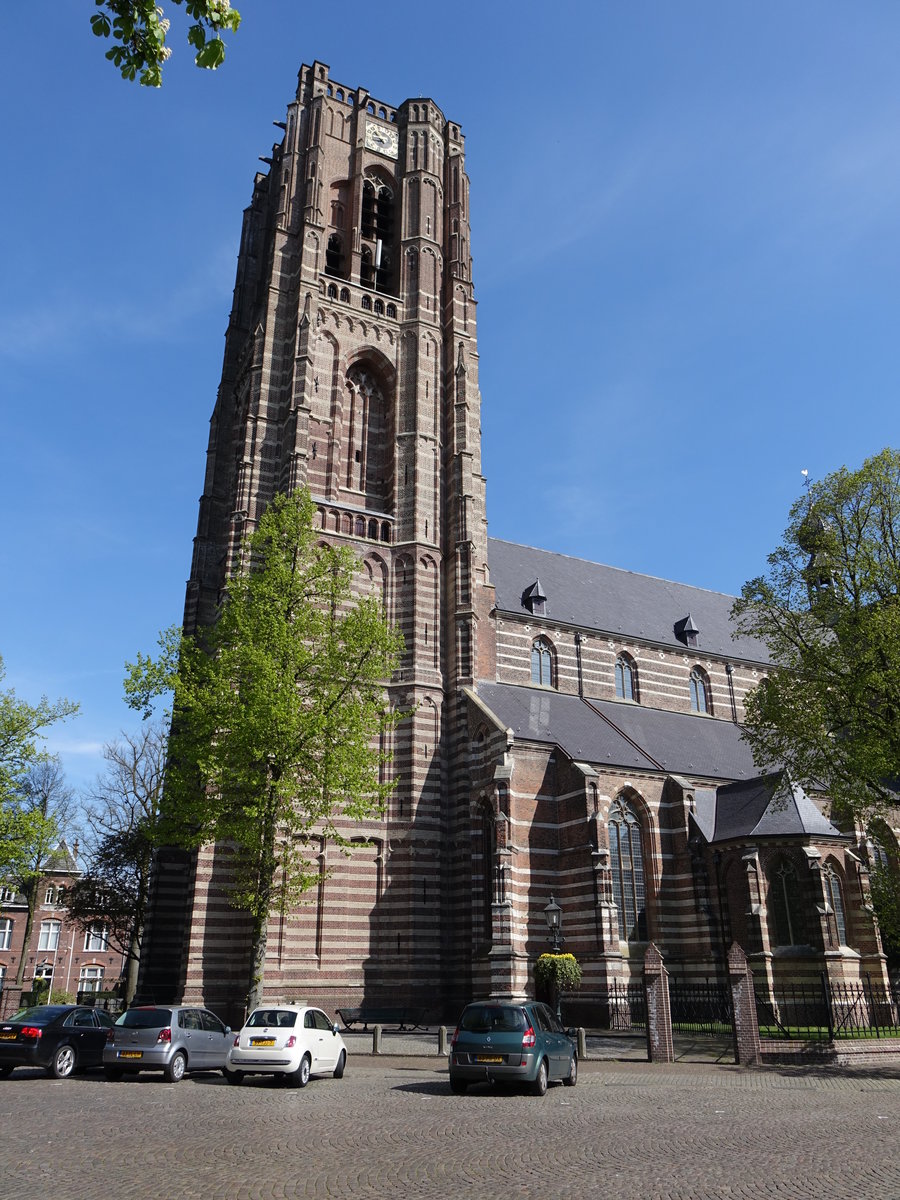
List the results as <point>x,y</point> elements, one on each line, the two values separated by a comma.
<point>42,1014</point>
<point>271,1017</point>
<point>480,1018</point>
<point>145,1018</point>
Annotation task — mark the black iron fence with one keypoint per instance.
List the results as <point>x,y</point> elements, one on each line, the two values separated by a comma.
<point>619,1008</point>
<point>701,1009</point>
<point>825,1010</point>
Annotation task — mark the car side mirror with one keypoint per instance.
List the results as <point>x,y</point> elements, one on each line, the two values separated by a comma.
<point>335,1028</point>
<point>572,1033</point>
<point>227,1030</point>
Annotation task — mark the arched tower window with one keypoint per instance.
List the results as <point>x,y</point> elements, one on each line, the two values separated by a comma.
<point>368,440</point>
<point>835,899</point>
<point>786,904</point>
<point>377,232</point>
<point>626,678</point>
<point>334,256</point>
<point>626,857</point>
<point>542,662</point>
<point>366,269</point>
<point>701,696</point>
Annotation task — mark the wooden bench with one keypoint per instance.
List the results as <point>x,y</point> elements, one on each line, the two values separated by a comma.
<point>376,1014</point>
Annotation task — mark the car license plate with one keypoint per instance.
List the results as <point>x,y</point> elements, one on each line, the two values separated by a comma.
<point>262,1041</point>
<point>7,1037</point>
<point>489,1058</point>
<point>131,1054</point>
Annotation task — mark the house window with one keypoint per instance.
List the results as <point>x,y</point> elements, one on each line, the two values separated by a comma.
<point>701,697</point>
<point>626,678</point>
<point>627,865</point>
<point>541,662</point>
<point>7,895</point>
<point>836,901</point>
<point>2,976</point>
<point>90,979</point>
<point>96,937</point>
<point>786,904</point>
<point>49,938</point>
<point>6,928</point>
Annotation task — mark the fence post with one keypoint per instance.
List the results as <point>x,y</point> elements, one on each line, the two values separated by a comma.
<point>826,992</point>
<point>747,1048</point>
<point>660,1047</point>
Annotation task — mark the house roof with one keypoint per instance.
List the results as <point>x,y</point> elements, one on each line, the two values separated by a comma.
<point>612,601</point>
<point>611,733</point>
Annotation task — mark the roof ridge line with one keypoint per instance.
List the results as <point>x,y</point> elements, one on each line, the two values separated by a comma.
<point>621,732</point>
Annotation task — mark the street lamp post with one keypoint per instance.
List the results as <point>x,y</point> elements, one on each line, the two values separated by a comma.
<point>553,913</point>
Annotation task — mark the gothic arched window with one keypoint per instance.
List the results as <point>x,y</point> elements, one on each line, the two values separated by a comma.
<point>701,696</point>
<point>835,899</point>
<point>334,255</point>
<point>626,678</point>
<point>366,270</point>
<point>541,662</point>
<point>786,904</point>
<point>626,857</point>
<point>488,848</point>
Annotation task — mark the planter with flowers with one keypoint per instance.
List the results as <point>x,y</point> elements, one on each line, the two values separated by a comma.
<point>557,973</point>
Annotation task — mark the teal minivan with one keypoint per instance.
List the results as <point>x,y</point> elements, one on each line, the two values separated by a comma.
<point>511,1043</point>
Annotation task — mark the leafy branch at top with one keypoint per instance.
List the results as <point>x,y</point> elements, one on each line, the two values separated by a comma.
<point>139,28</point>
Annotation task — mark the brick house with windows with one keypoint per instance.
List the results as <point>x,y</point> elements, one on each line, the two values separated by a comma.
<point>59,954</point>
<point>574,729</point>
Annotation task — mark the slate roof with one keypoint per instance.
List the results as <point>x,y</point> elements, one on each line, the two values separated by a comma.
<point>607,733</point>
<point>767,807</point>
<point>612,601</point>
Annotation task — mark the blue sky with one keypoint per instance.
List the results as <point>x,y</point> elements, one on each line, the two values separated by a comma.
<point>686,240</point>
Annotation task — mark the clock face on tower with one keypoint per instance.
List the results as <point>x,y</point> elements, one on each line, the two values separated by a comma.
<point>382,139</point>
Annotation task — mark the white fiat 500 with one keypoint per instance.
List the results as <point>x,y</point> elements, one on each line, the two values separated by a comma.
<point>289,1040</point>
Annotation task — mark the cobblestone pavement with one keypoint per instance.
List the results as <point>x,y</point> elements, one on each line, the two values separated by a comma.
<point>392,1127</point>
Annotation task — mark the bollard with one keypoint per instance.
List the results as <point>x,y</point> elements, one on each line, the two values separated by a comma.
<point>582,1043</point>
<point>443,1047</point>
<point>376,1039</point>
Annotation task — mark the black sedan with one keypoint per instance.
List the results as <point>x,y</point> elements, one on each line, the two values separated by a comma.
<point>58,1037</point>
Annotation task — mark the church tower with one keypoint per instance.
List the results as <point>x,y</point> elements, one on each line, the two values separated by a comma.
<point>351,367</point>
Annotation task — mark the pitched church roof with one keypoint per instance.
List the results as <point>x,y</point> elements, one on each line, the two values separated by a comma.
<point>610,733</point>
<point>622,603</point>
<point>770,806</point>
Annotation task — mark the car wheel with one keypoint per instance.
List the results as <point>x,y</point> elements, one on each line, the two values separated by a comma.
<point>113,1073</point>
<point>176,1068</point>
<point>300,1077</point>
<point>235,1077</point>
<point>63,1063</point>
<point>539,1087</point>
<point>458,1086</point>
<point>341,1063</point>
<point>572,1078</point>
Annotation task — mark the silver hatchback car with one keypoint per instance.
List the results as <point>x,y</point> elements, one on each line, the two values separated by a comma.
<point>175,1039</point>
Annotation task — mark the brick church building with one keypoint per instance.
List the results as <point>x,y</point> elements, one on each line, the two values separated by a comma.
<point>575,729</point>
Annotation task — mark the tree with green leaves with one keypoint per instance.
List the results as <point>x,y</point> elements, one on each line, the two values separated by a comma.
<point>22,729</point>
<point>123,833</point>
<point>139,28</point>
<point>828,608</point>
<point>44,808</point>
<point>278,715</point>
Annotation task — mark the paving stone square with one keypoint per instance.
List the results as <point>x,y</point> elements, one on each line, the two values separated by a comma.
<point>392,1127</point>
